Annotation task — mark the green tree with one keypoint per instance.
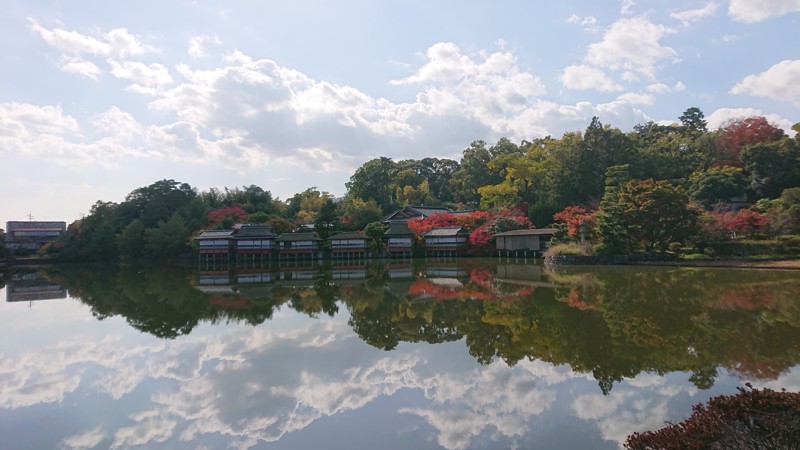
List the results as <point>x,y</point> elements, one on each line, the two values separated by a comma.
<point>648,215</point>
<point>717,184</point>
<point>327,222</point>
<point>167,239</point>
<point>131,242</point>
<point>373,181</point>
<point>772,167</point>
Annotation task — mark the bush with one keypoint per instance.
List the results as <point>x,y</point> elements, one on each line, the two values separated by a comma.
<point>750,419</point>
<point>570,249</point>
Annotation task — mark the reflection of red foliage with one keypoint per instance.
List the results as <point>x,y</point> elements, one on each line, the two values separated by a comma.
<point>745,297</point>
<point>228,302</point>
<point>575,300</point>
<point>426,288</point>
<point>749,367</point>
<point>482,277</point>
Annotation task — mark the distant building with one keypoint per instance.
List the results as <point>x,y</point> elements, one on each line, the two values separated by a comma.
<point>419,213</point>
<point>298,245</point>
<point>523,241</point>
<point>398,240</point>
<point>32,235</point>
<point>445,241</point>
<point>349,245</point>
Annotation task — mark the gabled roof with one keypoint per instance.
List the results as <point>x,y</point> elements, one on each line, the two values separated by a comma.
<point>530,232</point>
<point>414,212</point>
<point>246,231</point>
<point>349,235</point>
<point>215,234</point>
<point>398,229</point>
<point>298,237</point>
<point>446,231</point>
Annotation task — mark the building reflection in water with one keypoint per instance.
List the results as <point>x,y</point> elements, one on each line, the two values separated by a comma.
<point>31,286</point>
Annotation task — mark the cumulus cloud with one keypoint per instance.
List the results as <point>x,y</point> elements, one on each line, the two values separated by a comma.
<point>637,98</point>
<point>140,73</point>
<point>779,82</point>
<point>587,77</point>
<point>633,44</point>
<point>692,15</point>
<point>750,11</point>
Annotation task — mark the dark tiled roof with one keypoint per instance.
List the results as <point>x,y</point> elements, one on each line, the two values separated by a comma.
<point>531,232</point>
<point>398,229</point>
<point>215,234</point>
<point>252,231</point>
<point>298,237</point>
<point>445,231</point>
<point>349,235</point>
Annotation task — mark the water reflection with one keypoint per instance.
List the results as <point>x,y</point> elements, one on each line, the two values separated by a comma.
<point>613,323</point>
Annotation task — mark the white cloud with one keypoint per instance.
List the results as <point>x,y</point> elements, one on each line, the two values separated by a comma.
<point>626,6</point>
<point>637,99</point>
<point>140,73</point>
<point>116,43</point>
<point>197,44</point>
<point>692,15</point>
<point>633,45</point>
<point>587,77</point>
<point>79,66</point>
<point>85,440</point>
<point>750,11</point>
<point>588,21</point>
<point>661,88</point>
<point>780,82</point>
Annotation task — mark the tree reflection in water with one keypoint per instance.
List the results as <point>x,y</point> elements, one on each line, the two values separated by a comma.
<point>612,322</point>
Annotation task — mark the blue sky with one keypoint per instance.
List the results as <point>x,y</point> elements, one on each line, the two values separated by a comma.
<point>100,99</point>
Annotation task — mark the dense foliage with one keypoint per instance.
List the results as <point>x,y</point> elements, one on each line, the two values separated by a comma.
<point>643,190</point>
<point>751,419</point>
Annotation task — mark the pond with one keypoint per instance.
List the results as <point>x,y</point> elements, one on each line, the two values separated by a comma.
<point>423,354</point>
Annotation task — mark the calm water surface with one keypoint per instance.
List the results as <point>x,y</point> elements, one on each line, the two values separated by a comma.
<point>430,354</point>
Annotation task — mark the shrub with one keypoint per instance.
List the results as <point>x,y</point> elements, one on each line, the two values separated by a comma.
<point>570,249</point>
<point>748,420</point>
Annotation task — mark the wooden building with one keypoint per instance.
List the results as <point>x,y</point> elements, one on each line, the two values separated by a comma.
<point>303,245</point>
<point>445,241</point>
<point>253,244</point>
<point>523,241</point>
<point>349,245</point>
<point>399,240</point>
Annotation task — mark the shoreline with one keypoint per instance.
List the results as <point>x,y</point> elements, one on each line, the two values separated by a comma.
<point>784,264</point>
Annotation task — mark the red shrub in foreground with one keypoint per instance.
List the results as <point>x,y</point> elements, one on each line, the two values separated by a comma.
<point>751,419</point>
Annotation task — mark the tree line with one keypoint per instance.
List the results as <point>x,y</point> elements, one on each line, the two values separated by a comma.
<point>633,191</point>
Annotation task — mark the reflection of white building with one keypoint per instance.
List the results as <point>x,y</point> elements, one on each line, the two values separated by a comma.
<point>32,235</point>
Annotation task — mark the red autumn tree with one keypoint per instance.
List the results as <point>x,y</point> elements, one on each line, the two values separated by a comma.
<point>748,222</point>
<point>572,216</point>
<point>739,133</point>
<point>226,216</point>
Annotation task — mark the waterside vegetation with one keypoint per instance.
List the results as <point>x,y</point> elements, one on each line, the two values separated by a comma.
<point>677,188</point>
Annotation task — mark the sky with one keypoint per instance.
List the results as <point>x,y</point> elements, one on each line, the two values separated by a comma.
<point>106,97</point>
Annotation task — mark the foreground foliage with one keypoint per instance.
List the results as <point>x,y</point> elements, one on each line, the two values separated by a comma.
<point>751,419</point>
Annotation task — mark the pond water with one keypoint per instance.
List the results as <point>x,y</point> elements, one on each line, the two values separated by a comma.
<point>393,354</point>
